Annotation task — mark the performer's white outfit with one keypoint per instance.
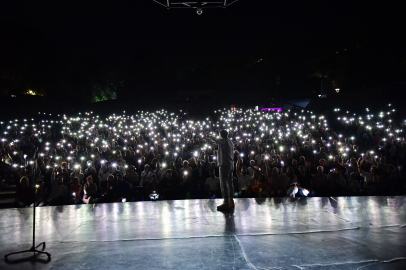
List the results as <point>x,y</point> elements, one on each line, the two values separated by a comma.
<point>225,161</point>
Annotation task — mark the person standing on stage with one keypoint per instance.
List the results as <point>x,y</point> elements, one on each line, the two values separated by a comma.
<point>225,161</point>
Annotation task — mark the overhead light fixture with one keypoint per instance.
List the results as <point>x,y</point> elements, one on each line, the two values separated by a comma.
<point>337,90</point>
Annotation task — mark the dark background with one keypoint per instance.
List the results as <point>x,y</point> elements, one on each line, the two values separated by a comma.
<point>138,51</point>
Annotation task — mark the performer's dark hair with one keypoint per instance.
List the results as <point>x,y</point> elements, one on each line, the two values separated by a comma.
<point>223,133</point>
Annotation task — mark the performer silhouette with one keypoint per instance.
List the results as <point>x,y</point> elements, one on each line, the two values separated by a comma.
<point>225,161</point>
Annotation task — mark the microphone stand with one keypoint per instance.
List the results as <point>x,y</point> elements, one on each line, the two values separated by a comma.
<point>33,248</point>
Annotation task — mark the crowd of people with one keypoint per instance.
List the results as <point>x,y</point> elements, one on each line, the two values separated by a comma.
<point>166,156</point>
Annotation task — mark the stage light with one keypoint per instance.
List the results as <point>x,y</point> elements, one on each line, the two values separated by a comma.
<point>199,11</point>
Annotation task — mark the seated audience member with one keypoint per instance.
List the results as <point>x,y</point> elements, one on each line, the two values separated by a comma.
<point>158,171</point>
<point>304,178</point>
<point>323,163</point>
<point>319,184</point>
<point>24,193</point>
<point>371,180</point>
<point>103,174</point>
<point>193,164</point>
<point>277,183</point>
<point>63,171</point>
<point>186,168</point>
<point>169,186</point>
<point>259,185</point>
<point>49,178</point>
<point>131,177</point>
<point>77,173</point>
<point>90,190</point>
<point>388,181</point>
<point>145,176</point>
<point>116,171</point>
<point>216,169</point>
<point>206,164</point>
<point>59,193</point>
<point>121,163</point>
<point>19,174</point>
<point>295,166</point>
<point>335,164</point>
<point>199,174</point>
<point>244,181</point>
<point>351,167</point>
<point>184,185</point>
<point>108,192</point>
<point>153,187</point>
<point>179,163</point>
<point>338,186</point>
<point>122,188</point>
<point>293,183</point>
<point>252,168</point>
<point>91,171</point>
<point>105,185</point>
<point>75,191</point>
<point>354,186</point>
<point>212,185</point>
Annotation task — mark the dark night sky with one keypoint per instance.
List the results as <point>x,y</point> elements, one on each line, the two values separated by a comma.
<point>116,31</point>
<point>118,27</point>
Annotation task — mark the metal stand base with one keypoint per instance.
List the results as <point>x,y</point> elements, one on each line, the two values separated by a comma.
<point>32,249</point>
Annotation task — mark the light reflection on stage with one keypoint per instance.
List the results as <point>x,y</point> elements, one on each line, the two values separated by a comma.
<point>272,233</point>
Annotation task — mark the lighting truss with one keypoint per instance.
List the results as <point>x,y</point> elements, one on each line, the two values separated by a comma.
<point>195,4</point>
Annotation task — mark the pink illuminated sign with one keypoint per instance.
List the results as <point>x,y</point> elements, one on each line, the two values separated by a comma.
<point>271,109</point>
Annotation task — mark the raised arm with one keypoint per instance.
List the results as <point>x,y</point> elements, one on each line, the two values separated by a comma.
<point>217,140</point>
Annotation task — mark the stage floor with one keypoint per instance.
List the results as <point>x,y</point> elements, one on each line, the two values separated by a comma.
<point>301,233</point>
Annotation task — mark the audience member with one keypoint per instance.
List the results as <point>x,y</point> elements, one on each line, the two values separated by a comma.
<point>212,185</point>
<point>90,190</point>
<point>59,193</point>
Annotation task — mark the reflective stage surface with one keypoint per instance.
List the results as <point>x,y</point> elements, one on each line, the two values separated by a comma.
<point>301,233</point>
